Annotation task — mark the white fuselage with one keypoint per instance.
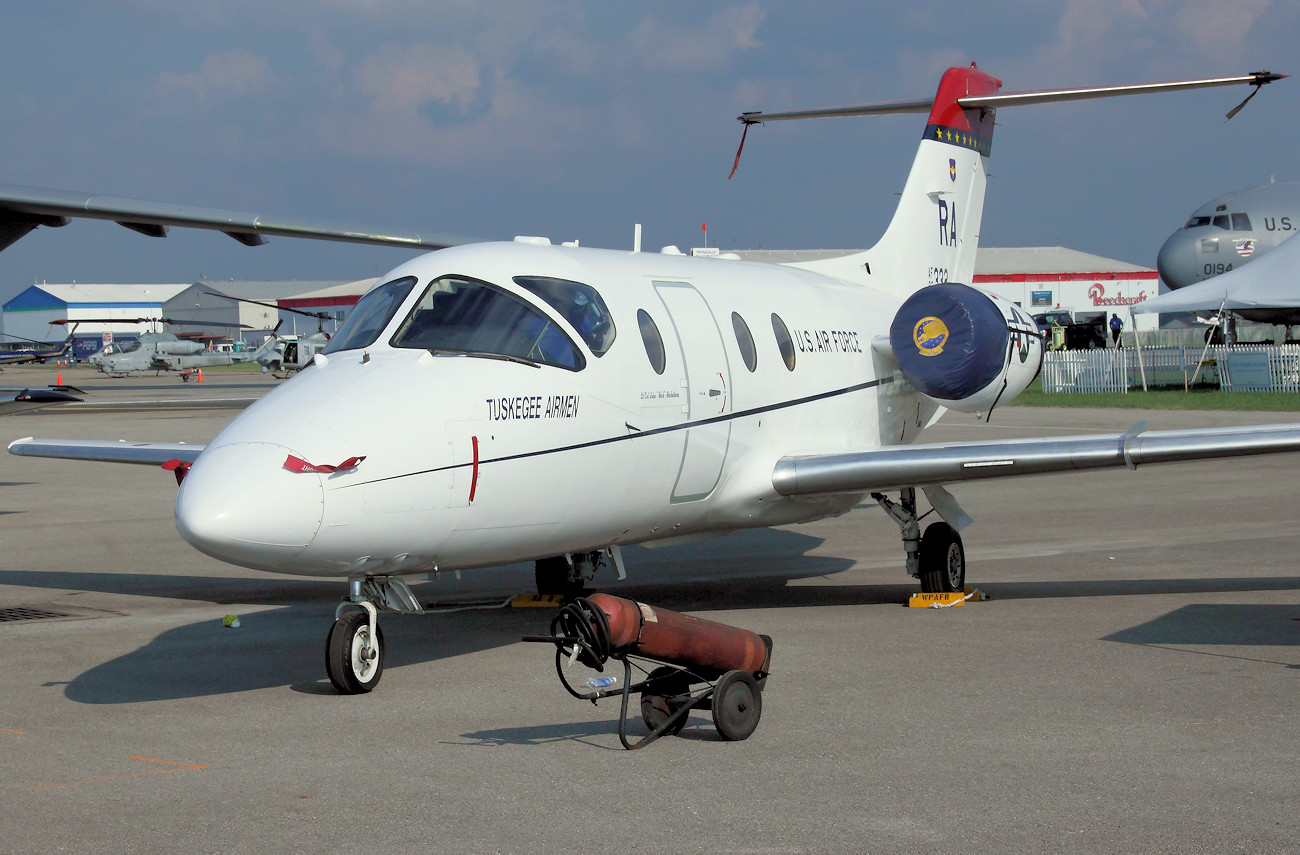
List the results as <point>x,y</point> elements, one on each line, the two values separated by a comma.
<point>473,461</point>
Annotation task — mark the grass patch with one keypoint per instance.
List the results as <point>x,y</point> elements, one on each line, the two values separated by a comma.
<point>1162,399</point>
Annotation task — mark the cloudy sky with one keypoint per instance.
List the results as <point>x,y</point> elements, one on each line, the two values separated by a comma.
<point>575,120</point>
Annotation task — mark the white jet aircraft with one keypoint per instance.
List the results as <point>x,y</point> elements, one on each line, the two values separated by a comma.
<point>560,402</point>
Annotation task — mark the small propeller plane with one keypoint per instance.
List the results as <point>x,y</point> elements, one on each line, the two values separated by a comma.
<point>42,354</point>
<point>562,402</point>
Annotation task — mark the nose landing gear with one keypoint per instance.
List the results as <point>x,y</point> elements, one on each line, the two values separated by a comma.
<point>354,648</point>
<point>354,652</point>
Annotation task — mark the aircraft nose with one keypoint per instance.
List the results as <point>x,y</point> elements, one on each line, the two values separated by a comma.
<point>1178,261</point>
<point>239,503</point>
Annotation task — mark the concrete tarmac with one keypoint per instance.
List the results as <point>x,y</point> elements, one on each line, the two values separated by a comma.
<point>1130,686</point>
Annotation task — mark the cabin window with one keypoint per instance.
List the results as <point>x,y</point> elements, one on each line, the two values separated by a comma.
<point>1241,222</point>
<point>371,315</point>
<point>578,304</point>
<point>653,341</point>
<point>744,341</point>
<point>783,342</point>
<point>456,314</point>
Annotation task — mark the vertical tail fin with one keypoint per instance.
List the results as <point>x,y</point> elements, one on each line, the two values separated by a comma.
<point>935,230</point>
<point>936,227</point>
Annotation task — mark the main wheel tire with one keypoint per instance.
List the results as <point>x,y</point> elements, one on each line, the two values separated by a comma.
<point>657,701</point>
<point>349,671</point>
<point>943,560</point>
<point>553,578</point>
<point>737,705</point>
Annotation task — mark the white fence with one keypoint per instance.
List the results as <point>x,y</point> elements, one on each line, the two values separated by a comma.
<point>1243,368</point>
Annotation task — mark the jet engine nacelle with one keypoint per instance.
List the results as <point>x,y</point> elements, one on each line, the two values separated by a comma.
<point>964,348</point>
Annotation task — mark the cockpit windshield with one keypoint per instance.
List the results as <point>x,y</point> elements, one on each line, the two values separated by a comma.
<point>578,304</point>
<point>371,315</point>
<point>456,314</point>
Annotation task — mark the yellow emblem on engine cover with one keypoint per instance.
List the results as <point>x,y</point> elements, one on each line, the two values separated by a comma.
<point>930,335</point>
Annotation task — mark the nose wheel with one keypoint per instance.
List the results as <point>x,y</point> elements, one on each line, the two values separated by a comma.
<point>354,657</point>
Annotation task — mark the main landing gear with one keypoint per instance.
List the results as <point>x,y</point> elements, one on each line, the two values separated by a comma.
<point>937,558</point>
<point>567,575</point>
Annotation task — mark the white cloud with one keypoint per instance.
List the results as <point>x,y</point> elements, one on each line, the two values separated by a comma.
<point>234,74</point>
<point>1219,28</point>
<point>400,79</point>
<point>688,47</point>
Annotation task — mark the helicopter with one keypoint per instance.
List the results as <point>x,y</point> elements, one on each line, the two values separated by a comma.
<point>292,353</point>
<point>163,351</point>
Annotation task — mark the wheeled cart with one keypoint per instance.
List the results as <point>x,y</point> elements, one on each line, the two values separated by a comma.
<point>699,664</point>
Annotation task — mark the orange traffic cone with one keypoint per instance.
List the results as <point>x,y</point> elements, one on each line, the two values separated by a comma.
<point>200,378</point>
<point>59,382</point>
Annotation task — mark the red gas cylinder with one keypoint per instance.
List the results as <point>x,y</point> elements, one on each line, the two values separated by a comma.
<point>679,639</point>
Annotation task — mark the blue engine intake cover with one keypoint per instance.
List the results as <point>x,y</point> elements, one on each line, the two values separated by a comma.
<point>949,340</point>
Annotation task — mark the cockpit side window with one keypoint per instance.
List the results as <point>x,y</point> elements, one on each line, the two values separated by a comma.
<point>1197,222</point>
<point>578,304</point>
<point>1241,222</point>
<point>1221,221</point>
<point>456,314</point>
<point>371,314</point>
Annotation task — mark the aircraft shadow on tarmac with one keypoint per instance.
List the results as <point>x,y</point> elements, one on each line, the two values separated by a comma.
<point>1225,624</point>
<point>1046,589</point>
<point>284,646</point>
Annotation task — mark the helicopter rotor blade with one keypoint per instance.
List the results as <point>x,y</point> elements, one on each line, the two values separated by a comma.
<point>321,316</point>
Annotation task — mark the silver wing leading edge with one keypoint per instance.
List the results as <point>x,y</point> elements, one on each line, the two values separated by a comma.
<point>25,208</point>
<point>934,465</point>
<point>143,453</point>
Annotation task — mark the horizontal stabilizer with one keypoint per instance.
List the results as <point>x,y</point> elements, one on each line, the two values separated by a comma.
<point>1016,99</point>
<point>895,467</point>
<point>144,453</point>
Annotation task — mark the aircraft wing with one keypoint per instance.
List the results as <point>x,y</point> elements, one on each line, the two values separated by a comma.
<point>19,400</point>
<point>24,208</point>
<point>937,464</point>
<point>144,453</point>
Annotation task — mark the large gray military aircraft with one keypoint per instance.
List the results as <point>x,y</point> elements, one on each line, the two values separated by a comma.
<point>1229,231</point>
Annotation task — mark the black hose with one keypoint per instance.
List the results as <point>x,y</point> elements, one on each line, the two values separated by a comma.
<point>582,619</point>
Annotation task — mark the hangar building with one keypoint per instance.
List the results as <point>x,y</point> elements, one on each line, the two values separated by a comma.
<point>1039,278</point>
<point>30,313</point>
<point>229,302</point>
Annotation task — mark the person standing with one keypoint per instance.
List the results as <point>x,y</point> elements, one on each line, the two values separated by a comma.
<point>1116,327</point>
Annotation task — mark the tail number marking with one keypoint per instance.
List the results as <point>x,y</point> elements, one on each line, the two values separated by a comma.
<point>947,223</point>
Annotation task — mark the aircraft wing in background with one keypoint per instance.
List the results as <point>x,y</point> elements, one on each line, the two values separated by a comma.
<point>20,400</point>
<point>23,209</point>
